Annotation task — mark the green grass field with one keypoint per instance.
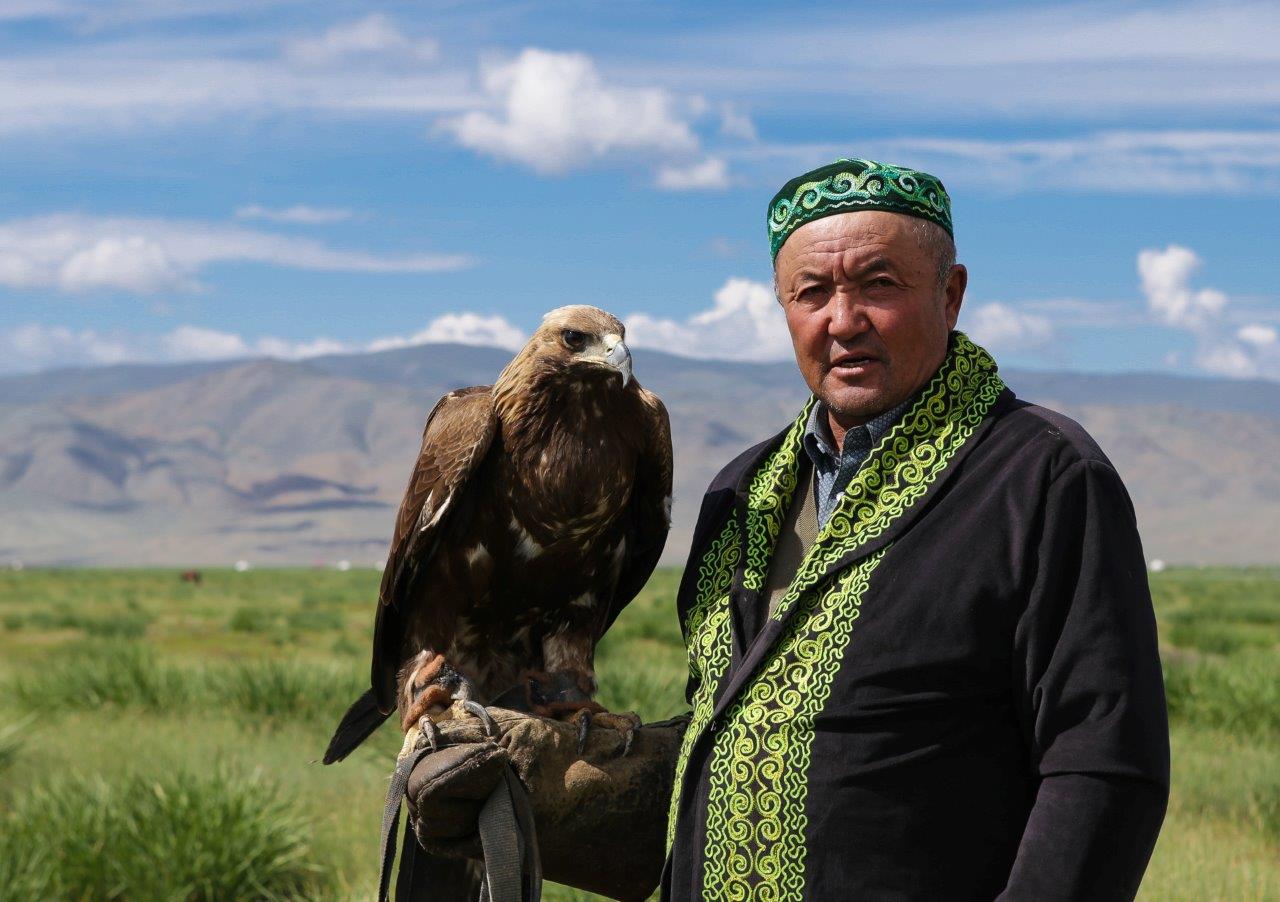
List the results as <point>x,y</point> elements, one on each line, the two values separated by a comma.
<point>160,740</point>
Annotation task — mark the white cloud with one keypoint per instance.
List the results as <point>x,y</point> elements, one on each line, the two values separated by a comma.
<point>711,173</point>
<point>128,263</point>
<point>75,253</point>
<point>195,343</point>
<point>744,322</point>
<point>1226,359</point>
<point>373,36</point>
<point>1257,335</point>
<point>553,112</point>
<point>1166,276</point>
<point>36,347</point>
<point>298,214</point>
<point>998,326</point>
<point>1251,351</point>
<point>299,350</point>
<point>460,328</point>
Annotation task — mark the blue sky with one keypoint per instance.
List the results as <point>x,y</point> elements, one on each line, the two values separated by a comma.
<point>226,178</point>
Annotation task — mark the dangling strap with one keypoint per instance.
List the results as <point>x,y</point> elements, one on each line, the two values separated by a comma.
<point>513,869</point>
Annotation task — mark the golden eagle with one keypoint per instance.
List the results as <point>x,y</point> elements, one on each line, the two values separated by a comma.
<point>536,511</point>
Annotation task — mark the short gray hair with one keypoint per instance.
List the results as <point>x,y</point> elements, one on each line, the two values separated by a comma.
<point>936,241</point>
<point>932,237</point>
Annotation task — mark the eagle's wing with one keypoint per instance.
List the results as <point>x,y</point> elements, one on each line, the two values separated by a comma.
<point>648,510</point>
<point>457,436</point>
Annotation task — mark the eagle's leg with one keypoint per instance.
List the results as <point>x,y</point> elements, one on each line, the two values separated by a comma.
<point>432,690</point>
<point>625,724</point>
<point>566,695</point>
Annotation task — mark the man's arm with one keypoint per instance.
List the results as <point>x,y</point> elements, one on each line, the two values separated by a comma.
<point>1087,671</point>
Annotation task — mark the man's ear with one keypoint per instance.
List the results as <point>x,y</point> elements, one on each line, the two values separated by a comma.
<point>957,281</point>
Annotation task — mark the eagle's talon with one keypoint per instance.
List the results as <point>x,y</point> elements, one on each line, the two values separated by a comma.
<point>478,710</point>
<point>583,718</point>
<point>429,734</point>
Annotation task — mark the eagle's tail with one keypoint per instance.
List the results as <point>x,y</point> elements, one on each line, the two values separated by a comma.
<point>361,719</point>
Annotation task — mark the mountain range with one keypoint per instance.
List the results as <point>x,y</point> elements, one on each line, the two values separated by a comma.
<point>304,462</point>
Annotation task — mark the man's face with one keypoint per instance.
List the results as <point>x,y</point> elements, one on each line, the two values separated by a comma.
<point>867,317</point>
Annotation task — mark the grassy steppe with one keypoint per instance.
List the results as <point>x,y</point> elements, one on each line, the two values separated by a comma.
<point>160,740</point>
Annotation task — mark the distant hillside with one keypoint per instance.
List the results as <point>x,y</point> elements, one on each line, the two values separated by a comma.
<point>296,462</point>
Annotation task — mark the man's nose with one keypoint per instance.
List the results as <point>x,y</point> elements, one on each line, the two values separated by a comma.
<point>848,317</point>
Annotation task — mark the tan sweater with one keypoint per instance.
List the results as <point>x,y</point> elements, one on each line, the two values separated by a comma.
<point>799,531</point>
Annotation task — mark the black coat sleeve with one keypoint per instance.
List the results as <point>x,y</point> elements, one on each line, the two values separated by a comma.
<point>1087,675</point>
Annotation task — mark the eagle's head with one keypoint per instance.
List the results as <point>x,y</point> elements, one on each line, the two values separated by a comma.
<point>577,342</point>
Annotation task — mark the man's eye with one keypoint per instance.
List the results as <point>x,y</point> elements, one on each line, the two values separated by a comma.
<point>574,340</point>
<point>880,283</point>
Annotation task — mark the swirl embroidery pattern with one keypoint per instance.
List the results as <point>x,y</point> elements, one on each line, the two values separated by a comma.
<point>759,762</point>
<point>859,183</point>
<point>756,820</point>
<point>710,650</point>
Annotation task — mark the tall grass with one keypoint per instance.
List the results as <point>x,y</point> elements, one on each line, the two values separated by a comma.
<point>86,676</point>
<point>192,835</point>
<point>287,689</point>
<point>127,675</point>
<point>12,741</point>
<point>1239,694</point>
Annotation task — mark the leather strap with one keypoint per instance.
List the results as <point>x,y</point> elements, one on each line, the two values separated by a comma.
<point>508,839</point>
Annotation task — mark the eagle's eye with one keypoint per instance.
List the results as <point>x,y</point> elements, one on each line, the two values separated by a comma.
<point>574,340</point>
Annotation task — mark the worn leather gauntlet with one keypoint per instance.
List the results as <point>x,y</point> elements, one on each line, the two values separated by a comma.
<point>601,816</point>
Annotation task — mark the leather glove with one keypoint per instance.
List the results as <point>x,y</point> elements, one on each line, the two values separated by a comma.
<point>601,817</point>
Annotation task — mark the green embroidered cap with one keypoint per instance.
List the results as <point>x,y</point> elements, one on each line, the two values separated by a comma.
<point>848,185</point>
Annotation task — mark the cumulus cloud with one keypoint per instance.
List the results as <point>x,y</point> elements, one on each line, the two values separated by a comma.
<point>744,322</point>
<point>373,36</point>
<point>553,112</point>
<point>1249,351</point>
<point>999,326</point>
<point>128,263</point>
<point>298,214</point>
<point>1258,335</point>
<point>75,253</point>
<point>35,347</point>
<point>711,173</point>
<point>460,328</point>
<point>1166,276</point>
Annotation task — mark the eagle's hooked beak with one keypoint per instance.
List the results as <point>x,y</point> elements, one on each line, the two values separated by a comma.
<point>618,356</point>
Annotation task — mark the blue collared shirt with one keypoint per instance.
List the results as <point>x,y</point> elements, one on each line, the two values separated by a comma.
<point>833,469</point>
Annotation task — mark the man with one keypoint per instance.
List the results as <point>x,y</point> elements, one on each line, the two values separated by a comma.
<point>922,651</point>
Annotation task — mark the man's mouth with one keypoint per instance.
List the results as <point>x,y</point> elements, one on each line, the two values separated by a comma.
<point>854,362</point>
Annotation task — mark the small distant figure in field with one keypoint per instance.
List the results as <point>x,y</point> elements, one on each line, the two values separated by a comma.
<point>191,576</point>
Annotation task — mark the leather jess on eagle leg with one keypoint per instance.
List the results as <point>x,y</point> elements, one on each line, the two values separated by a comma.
<point>600,815</point>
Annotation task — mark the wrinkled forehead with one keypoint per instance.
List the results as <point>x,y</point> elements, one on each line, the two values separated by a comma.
<point>847,238</point>
<point>583,318</point>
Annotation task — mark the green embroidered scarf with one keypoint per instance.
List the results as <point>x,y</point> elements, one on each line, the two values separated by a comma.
<point>759,761</point>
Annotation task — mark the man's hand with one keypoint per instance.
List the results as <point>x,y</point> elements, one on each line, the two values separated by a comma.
<point>601,816</point>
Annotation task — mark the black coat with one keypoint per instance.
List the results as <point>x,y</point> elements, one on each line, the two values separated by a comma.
<point>961,695</point>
